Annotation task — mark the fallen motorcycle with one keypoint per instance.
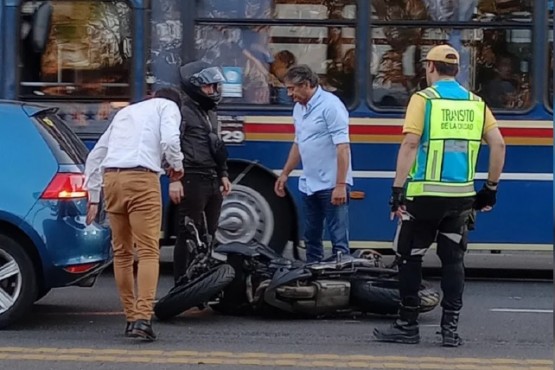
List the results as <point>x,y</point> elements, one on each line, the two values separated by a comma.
<point>241,279</point>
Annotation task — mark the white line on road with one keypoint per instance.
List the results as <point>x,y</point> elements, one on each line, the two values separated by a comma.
<point>522,310</point>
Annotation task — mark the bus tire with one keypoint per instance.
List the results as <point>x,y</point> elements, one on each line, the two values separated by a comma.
<point>253,212</point>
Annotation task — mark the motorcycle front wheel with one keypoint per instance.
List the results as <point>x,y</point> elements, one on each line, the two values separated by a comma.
<point>382,297</point>
<point>194,292</point>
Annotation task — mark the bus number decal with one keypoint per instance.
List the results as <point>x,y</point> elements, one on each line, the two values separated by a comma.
<point>231,129</point>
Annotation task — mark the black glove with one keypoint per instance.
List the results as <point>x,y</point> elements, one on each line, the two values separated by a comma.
<point>397,198</point>
<point>485,197</point>
<point>471,221</point>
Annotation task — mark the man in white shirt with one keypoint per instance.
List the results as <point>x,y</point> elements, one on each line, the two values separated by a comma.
<point>127,159</point>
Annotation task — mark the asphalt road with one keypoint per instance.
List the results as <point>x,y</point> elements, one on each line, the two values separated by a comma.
<point>505,325</point>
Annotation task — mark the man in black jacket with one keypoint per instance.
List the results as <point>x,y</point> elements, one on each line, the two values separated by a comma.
<point>200,192</point>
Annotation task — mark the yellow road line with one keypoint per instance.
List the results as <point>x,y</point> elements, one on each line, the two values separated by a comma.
<point>114,355</point>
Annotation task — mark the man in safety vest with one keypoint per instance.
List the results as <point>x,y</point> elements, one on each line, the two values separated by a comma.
<point>443,129</point>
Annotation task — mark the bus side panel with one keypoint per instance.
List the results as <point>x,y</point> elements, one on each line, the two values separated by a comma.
<point>2,32</point>
<point>522,213</point>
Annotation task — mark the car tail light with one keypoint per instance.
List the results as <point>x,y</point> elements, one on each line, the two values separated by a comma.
<point>79,269</point>
<point>65,185</point>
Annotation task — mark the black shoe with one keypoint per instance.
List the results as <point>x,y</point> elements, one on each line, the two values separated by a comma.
<point>449,324</point>
<point>129,328</point>
<point>399,332</point>
<point>143,330</point>
<point>450,339</point>
<point>403,330</point>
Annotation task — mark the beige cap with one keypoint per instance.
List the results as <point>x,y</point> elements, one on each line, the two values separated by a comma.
<point>443,53</point>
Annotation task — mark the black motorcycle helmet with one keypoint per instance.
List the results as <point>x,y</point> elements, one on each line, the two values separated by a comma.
<point>198,73</point>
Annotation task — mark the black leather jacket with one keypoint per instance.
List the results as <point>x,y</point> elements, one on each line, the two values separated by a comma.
<point>195,145</point>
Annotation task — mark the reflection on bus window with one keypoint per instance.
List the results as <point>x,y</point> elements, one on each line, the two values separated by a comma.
<point>495,63</point>
<point>270,9</point>
<point>550,66</point>
<point>255,58</point>
<point>87,52</point>
<point>449,11</point>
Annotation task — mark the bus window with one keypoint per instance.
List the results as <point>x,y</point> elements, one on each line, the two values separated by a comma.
<point>495,60</point>
<point>87,53</point>
<point>452,11</point>
<point>550,65</point>
<point>255,57</point>
<point>235,8</point>
<point>276,9</point>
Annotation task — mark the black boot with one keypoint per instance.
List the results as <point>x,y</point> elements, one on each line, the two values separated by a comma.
<point>403,330</point>
<point>449,323</point>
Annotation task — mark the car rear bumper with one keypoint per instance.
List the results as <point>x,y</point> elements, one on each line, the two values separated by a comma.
<point>88,278</point>
<point>71,252</point>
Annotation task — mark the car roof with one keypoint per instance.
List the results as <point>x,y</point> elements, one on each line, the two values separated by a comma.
<point>30,109</point>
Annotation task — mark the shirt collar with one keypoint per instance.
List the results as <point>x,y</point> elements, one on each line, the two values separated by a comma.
<point>314,98</point>
<point>445,81</point>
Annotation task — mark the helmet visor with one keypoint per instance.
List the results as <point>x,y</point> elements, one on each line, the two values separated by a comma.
<point>208,76</point>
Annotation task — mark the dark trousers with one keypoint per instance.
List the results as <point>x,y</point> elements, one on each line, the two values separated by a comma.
<point>202,198</point>
<point>318,208</point>
<point>430,219</point>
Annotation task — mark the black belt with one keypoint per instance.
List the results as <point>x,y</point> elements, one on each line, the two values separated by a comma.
<point>138,168</point>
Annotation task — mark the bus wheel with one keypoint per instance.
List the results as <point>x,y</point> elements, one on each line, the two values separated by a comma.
<point>252,212</point>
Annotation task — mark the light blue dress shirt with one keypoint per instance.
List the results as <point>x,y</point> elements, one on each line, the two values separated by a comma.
<point>319,127</point>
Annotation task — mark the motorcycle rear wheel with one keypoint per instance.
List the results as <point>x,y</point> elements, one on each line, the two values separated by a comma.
<point>194,292</point>
<point>382,297</point>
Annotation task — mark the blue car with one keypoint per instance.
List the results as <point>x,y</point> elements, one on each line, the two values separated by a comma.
<point>44,240</point>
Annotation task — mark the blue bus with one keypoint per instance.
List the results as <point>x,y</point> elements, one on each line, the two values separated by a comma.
<point>91,57</point>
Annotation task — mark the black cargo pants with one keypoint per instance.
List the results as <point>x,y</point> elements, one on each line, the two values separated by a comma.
<point>430,219</point>
<point>202,196</point>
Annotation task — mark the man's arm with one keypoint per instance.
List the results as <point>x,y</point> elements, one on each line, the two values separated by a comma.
<point>406,158</point>
<point>486,197</point>
<point>293,160</point>
<point>93,173</point>
<point>496,145</point>
<point>170,121</point>
<point>343,158</point>
<point>222,168</point>
<point>337,121</point>
<point>412,129</point>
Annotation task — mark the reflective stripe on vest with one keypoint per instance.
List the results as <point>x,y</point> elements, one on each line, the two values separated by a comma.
<point>453,126</point>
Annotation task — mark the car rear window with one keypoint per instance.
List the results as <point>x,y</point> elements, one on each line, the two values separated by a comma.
<point>65,145</point>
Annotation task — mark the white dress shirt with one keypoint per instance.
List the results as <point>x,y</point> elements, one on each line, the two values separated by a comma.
<point>141,134</point>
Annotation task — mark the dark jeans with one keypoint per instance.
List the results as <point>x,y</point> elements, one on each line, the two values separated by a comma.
<point>202,195</point>
<point>318,208</point>
<point>430,219</point>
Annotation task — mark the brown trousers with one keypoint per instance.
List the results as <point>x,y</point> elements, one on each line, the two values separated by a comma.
<point>134,207</point>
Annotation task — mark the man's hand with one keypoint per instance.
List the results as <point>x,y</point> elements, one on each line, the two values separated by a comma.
<point>226,186</point>
<point>279,187</point>
<point>485,198</point>
<point>339,195</point>
<point>175,175</point>
<point>176,192</point>
<point>397,201</point>
<point>92,211</point>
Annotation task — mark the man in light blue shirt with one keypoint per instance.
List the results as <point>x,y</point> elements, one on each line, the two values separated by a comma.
<point>322,145</point>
